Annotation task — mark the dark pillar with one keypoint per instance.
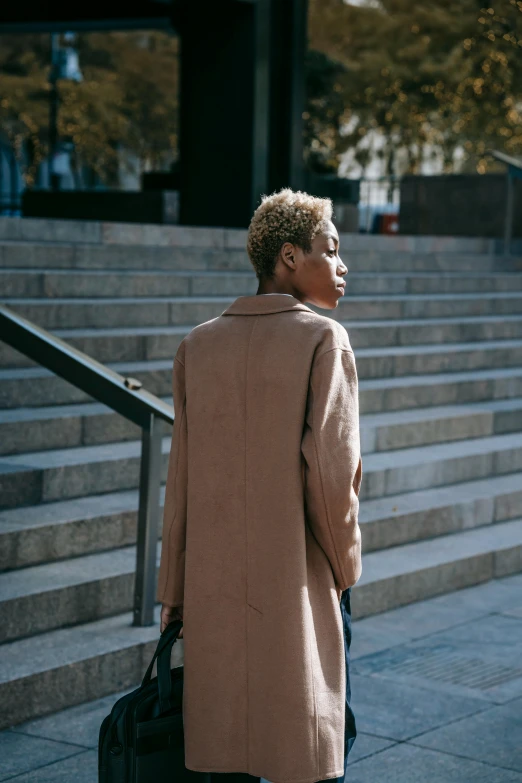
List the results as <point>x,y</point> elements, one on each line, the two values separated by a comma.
<point>223,111</point>
<point>241,104</point>
<point>288,43</point>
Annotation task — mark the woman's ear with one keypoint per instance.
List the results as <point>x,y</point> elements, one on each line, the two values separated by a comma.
<point>288,254</point>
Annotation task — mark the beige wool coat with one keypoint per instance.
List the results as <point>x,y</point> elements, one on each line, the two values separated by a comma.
<point>261,535</point>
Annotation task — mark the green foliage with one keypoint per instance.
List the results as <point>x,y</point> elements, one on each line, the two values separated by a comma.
<point>128,96</point>
<point>441,72</point>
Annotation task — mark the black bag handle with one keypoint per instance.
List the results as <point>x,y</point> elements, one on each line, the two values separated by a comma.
<point>164,674</point>
<point>165,680</point>
<point>165,643</point>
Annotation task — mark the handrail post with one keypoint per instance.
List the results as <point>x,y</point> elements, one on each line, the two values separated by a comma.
<point>510,199</point>
<point>148,520</point>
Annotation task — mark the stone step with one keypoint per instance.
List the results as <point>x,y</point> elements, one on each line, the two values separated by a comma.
<point>404,574</point>
<point>150,340</point>
<point>73,665</point>
<point>427,331</point>
<point>48,532</point>
<point>71,313</point>
<point>95,232</point>
<point>438,424</point>
<point>78,255</point>
<point>104,232</point>
<point>36,386</point>
<point>108,256</point>
<point>105,656</point>
<point>424,514</point>
<point>78,284</point>
<point>84,589</point>
<point>391,362</point>
<point>63,529</point>
<point>56,283</point>
<point>45,476</point>
<point>425,467</point>
<point>66,426</point>
<point>45,597</point>
<point>131,344</point>
<point>363,333</point>
<point>88,424</point>
<point>125,344</point>
<point>443,388</point>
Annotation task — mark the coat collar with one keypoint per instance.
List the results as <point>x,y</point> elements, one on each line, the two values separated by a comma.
<point>261,304</point>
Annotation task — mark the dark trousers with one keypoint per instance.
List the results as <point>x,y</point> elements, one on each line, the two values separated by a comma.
<point>350,731</point>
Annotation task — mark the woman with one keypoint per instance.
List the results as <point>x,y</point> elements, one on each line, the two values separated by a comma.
<point>261,542</point>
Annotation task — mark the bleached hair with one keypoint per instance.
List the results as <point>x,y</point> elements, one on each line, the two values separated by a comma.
<point>285,216</point>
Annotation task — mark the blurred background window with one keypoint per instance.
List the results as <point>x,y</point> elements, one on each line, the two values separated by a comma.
<point>115,98</point>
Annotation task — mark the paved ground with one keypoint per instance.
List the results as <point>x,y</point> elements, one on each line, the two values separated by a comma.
<point>437,695</point>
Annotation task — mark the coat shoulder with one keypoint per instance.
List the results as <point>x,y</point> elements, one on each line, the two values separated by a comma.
<point>203,328</point>
<point>329,334</point>
<point>196,333</point>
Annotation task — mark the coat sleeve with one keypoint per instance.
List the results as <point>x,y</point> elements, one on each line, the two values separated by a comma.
<point>332,465</point>
<point>171,576</point>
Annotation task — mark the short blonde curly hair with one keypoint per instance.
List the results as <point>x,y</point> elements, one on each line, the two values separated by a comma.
<point>285,216</point>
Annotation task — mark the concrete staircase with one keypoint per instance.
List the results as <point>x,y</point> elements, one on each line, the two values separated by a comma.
<point>436,325</point>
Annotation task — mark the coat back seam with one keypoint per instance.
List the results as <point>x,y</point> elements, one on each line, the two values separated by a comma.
<point>246,546</point>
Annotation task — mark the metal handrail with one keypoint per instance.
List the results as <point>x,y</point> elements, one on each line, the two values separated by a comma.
<point>127,397</point>
<point>514,171</point>
<point>508,159</point>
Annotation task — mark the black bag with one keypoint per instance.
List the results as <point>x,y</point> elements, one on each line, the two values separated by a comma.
<point>142,739</point>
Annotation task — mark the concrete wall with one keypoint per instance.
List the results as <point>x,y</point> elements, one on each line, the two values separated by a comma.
<point>471,205</point>
<point>149,206</point>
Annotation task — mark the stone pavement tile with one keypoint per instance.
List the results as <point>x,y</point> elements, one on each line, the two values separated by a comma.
<point>479,659</point>
<point>493,736</point>
<point>514,579</point>
<point>496,637</point>
<point>513,608</point>
<point>515,612</point>
<point>433,615</point>
<point>79,724</point>
<point>407,763</point>
<point>19,753</point>
<point>82,768</point>
<point>397,711</point>
<point>368,638</point>
<point>366,745</point>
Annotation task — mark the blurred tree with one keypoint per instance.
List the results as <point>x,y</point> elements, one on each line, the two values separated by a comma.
<point>128,97</point>
<point>442,73</point>
<point>325,110</point>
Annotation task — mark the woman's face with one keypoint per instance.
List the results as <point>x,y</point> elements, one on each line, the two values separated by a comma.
<point>318,276</point>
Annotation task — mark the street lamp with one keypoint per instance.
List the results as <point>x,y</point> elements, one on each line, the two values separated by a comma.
<point>64,65</point>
